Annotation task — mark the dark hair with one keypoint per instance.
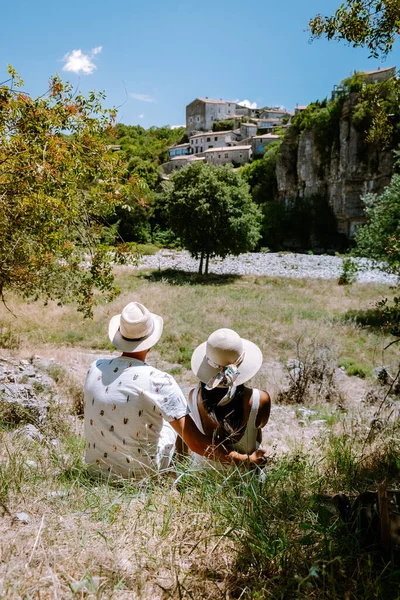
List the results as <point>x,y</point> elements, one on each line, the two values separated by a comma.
<point>230,416</point>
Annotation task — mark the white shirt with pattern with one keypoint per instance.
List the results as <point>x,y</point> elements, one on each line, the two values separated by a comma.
<point>128,406</point>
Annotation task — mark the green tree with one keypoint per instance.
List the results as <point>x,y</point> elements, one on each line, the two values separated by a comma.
<point>379,239</point>
<point>210,208</point>
<point>261,176</point>
<point>374,24</point>
<point>59,182</point>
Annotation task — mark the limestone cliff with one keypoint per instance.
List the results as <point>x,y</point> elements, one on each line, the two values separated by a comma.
<point>342,172</point>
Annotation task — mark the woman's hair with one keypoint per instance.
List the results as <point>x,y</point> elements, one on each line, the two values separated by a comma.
<point>230,416</point>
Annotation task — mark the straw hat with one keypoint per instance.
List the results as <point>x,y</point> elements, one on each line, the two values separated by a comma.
<point>135,329</point>
<point>225,347</point>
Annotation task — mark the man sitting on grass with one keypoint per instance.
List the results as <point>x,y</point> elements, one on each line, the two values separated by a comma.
<point>134,412</point>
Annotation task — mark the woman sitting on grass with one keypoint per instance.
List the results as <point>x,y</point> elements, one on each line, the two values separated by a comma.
<point>223,408</point>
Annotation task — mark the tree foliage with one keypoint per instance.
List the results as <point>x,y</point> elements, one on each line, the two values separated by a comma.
<point>374,24</point>
<point>144,150</point>
<point>58,185</point>
<point>210,208</point>
<point>379,239</point>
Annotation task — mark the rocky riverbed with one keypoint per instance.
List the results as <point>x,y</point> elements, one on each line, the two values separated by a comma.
<point>275,264</point>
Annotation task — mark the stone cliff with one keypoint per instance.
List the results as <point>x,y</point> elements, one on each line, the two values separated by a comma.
<point>341,172</point>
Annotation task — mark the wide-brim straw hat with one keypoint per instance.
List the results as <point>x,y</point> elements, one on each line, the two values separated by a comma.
<point>135,329</point>
<point>224,347</point>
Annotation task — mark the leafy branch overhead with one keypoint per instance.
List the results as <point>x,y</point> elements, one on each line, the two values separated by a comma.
<point>59,184</point>
<point>373,24</point>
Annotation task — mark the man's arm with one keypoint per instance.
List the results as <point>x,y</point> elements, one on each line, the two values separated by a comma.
<point>200,444</point>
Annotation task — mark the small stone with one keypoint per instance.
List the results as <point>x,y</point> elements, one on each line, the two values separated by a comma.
<point>29,432</point>
<point>22,517</point>
<point>31,463</point>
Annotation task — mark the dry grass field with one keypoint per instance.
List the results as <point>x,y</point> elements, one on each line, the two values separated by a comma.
<point>213,535</point>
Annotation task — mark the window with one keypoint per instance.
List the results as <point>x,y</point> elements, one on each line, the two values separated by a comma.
<point>198,119</point>
<point>240,155</point>
<point>212,118</point>
<point>229,112</point>
<point>208,139</point>
<point>226,155</point>
<point>216,139</point>
<point>190,119</point>
<point>201,149</point>
<point>219,156</point>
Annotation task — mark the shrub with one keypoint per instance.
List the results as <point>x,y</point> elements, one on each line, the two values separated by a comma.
<point>349,272</point>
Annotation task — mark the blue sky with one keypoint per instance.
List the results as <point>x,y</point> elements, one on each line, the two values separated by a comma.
<point>155,56</point>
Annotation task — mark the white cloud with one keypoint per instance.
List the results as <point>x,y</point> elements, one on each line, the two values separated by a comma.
<point>177,126</point>
<point>141,116</point>
<point>143,97</point>
<point>248,104</point>
<point>78,62</point>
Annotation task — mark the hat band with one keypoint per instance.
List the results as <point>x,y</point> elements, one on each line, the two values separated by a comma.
<point>139,339</point>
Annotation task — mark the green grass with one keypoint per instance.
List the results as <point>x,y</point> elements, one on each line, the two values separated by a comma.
<point>195,534</point>
<point>189,534</point>
<point>354,368</point>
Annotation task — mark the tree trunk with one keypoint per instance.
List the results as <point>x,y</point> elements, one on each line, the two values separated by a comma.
<point>201,263</point>
<point>206,269</point>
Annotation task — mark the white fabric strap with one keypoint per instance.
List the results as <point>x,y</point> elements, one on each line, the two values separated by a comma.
<point>225,377</point>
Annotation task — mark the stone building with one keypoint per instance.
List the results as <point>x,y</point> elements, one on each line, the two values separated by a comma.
<point>379,75</point>
<point>247,130</point>
<point>259,142</point>
<point>203,112</point>
<point>199,142</point>
<point>237,155</point>
<point>178,150</point>
<point>178,162</point>
<point>275,113</point>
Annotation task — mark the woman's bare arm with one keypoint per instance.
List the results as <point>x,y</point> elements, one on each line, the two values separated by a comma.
<point>264,410</point>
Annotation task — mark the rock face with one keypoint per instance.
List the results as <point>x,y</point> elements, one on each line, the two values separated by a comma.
<point>341,173</point>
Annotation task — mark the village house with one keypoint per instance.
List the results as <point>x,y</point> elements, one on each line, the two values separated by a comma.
<point>247,130</point>
<point>237,155</point>
<point>178,162</point>
<point>199,142</point>
<point>298,109</point>
<point>275,113</point>
<point>202,113</point>
<point>259,142</point>
<point>178,150</point>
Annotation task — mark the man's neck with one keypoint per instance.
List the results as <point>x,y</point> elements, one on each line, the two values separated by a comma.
<point>137,355</point>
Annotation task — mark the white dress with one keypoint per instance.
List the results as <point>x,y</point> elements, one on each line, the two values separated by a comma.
<point>247,443</point>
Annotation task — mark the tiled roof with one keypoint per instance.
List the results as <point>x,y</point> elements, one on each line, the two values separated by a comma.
<point>188,157</point>
<point>211,101</point>
<point>266,136</point>
<point>377,71</point>
<point>179,146</point>
<point>226,149</point>
<point>210,133</point>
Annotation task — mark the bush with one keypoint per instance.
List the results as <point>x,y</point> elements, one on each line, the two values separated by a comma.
<point>349,272</point>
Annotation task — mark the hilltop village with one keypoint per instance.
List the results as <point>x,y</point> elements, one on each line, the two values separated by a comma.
<point>222,132</point>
